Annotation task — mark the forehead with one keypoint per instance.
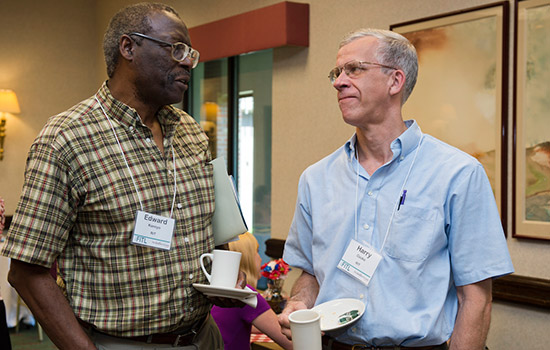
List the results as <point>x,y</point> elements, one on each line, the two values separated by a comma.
<point>363,49</point>
<point>169,26</point>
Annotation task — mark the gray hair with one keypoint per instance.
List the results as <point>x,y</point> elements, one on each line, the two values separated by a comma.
<point>394,51</point>
<point>132,18</point>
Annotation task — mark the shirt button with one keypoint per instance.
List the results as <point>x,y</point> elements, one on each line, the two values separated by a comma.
<point>131,128</point>
<point>361,296</point>
<point>180,205</point>
<point>148,140</point>
<point>401,158</point>
<point>366,226</point>
<point>370,193</point>
<point>186,240</point>
<point>191,276</point>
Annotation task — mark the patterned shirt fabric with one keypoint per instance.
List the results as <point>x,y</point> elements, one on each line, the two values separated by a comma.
<point>446,233</point>
<point>79,203</point>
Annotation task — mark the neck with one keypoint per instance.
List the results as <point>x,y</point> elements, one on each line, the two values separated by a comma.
<point>374,144</point>
<point>130,97</point>
<point>146,112</point>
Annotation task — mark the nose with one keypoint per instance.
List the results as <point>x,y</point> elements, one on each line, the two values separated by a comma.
<point>188,62</point>
<point>341,81</point>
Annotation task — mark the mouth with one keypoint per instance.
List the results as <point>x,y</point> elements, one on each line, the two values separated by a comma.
<point>183,80</point>
<point>344,98</point>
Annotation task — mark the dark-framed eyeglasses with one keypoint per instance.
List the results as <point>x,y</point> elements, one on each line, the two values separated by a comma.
<point>353,69</point>
<point>180,51</point>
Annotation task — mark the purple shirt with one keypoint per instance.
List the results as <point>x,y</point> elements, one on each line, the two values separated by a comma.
<point>235,323</point>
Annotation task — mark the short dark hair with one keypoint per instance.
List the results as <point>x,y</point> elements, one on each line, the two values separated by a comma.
<point>132,18</point>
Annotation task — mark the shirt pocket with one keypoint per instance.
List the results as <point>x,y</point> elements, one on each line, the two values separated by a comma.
<point>412,234</point>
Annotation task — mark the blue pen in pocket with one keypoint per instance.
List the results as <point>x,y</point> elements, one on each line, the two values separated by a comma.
<point>402,199</point>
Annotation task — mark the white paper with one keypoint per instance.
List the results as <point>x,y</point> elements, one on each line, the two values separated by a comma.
<point>228,221</point>
<point>250,300</point>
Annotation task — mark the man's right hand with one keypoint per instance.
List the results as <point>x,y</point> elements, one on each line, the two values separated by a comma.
<point>48,305</point>
<point>291,306</point>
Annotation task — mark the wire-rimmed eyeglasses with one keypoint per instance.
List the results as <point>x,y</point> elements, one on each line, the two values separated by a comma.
<point>353,69</point>
<point>180,51</point>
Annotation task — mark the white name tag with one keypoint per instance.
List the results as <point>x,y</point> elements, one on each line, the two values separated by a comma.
<point>360,261</point>
<point>153,231</point>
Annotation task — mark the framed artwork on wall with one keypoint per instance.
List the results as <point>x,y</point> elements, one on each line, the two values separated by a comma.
<point>531,153</point>
<point>460,94</point>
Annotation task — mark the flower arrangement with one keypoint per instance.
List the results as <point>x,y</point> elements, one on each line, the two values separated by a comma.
<point>275,269</point>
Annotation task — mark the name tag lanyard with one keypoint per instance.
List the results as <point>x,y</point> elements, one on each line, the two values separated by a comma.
<point>360,260</point>
<point>150,230</point>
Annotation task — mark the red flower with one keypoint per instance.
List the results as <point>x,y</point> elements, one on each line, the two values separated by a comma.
<point>275,269</point>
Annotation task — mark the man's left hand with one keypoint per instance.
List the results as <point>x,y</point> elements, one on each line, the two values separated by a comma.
<point>228,302</point>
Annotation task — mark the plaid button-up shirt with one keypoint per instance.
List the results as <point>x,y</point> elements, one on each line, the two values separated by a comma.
<point>79,204</point>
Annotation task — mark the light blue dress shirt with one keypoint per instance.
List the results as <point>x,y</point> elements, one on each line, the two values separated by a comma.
<point>447,233</point>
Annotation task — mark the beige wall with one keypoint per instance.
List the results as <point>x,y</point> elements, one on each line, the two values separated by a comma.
<point>51,57</point>
<point>48,57</point>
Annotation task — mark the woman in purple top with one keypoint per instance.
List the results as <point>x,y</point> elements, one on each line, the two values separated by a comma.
<point>235,324</point>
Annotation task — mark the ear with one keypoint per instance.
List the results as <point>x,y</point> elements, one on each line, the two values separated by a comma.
<point>126,47</point>
<point>397,82</point>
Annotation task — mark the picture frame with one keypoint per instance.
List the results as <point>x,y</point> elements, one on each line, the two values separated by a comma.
<point>531,144</point>
<point>461,93</point>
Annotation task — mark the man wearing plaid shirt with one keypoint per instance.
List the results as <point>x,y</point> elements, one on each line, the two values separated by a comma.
<point>93,174</point>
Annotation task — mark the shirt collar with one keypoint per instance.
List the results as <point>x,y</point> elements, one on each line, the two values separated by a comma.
<point>401,146</point>
<point>407,141</point>
<point>127,115</point>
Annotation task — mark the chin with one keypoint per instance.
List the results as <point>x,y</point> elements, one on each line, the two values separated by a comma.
<point>351,119</point>
<point>174,99</point>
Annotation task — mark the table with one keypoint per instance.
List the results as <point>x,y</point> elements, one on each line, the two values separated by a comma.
<point>265,346</point>
<point>261,342</point>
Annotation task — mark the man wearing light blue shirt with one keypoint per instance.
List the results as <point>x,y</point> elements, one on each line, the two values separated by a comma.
<point>395,218</point>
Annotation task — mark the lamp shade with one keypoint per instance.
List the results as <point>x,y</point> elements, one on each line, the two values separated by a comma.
<point>8,101</point>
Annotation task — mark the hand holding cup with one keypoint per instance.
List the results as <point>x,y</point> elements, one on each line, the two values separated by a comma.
<point>225,274</point>
<point>305,325</point>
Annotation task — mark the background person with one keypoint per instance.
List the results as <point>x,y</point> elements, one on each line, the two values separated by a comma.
<point>236,324</point>
<point>421,237</point>
<point>94,175</point>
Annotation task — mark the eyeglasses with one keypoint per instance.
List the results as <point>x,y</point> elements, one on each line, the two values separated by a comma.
<point>353,69</point>
<point>180,51</point>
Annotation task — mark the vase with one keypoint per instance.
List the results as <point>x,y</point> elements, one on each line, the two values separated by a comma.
<point>274,295</point>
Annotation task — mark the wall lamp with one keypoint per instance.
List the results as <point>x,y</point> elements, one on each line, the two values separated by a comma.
<point>8,104</point>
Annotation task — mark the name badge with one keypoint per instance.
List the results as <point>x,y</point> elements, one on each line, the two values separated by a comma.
<point>360,261</point>
<point>153,231</point>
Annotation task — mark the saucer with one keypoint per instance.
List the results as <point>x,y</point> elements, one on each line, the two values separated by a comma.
<point>224,292</point>
<point>339,313</point>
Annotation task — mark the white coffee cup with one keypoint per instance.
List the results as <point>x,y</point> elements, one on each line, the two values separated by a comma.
<point>225,267</point>
<point>306,329</point>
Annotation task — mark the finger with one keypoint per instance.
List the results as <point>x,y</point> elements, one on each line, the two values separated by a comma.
<point>283,320</point>
<point>241,280</point>
<point>287,333</point>
<point>226,302</point>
